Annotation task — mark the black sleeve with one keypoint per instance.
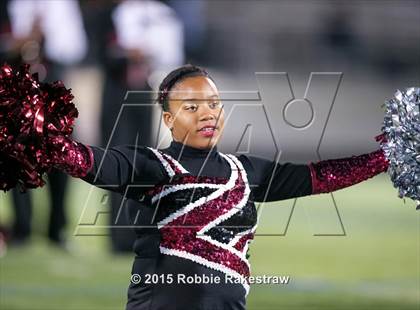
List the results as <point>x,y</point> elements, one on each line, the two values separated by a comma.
<point>279,181</point>
<point>123,165</point>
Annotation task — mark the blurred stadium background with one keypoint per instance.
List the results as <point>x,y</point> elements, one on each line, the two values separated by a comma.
<point>373,263</point>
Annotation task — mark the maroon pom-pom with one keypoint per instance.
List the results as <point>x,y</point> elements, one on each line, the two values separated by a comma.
<point>31,113</point>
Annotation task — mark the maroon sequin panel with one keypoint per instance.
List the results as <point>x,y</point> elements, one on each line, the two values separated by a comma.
<point>333,174</point>
<point>181,233</point>
<point>242,242</point>
<point>74,158</point>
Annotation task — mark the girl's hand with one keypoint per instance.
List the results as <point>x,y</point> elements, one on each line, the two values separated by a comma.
<point>72,157</point>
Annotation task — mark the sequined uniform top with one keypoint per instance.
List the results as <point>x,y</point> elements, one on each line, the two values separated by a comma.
<point>195,215</point>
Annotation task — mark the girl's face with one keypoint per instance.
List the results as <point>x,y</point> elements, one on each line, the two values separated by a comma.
<point>196,113</point>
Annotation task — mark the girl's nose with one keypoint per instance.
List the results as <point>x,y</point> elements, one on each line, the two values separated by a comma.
<point>207,113</point>
<point>207,116</point>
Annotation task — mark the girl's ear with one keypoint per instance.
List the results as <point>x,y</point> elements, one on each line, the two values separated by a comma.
<point>168,119</point>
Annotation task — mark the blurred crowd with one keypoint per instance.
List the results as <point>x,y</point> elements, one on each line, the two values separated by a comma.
<point>101,49</point>
<point>132,43</point>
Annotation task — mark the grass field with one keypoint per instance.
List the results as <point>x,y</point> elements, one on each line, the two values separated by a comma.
<point>375,265</point>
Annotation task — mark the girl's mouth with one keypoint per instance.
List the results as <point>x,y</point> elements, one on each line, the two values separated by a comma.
<point>207,131</point>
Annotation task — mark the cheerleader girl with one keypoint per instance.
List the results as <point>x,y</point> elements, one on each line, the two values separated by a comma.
<point>196,215</point>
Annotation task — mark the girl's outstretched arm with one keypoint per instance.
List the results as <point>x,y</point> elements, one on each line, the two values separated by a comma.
<point>274,181</point>
<point>114,168</point>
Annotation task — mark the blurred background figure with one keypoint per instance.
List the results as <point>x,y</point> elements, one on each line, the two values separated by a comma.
<point>339,34</point>
<point>194,18</point>
<point>137,43</point>
<point>48,35</point>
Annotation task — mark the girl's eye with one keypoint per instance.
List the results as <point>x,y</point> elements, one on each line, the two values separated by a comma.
<point>191,108</point>
<point>215,104</point>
